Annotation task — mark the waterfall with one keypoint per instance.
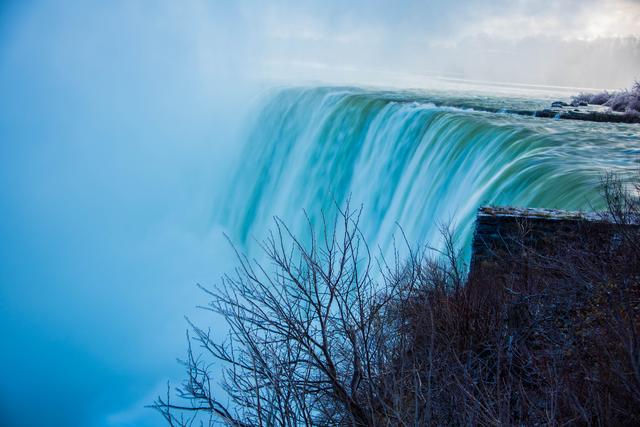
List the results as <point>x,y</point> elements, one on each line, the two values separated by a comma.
<point>417,160</point>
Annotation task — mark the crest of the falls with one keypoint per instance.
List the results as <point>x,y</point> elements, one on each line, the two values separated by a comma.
<point>415,159</point>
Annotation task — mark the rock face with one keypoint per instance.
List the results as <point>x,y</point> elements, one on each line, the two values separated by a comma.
<point>555,270</point>
<point>504,237</point>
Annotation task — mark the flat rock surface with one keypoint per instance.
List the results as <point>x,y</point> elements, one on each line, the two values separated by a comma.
<point>539,213</point>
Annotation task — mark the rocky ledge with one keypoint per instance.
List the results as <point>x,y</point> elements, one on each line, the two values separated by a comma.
<point>503,235</point>
<point>590,113</point>
<point>586,112</point>
<point>539,213</point>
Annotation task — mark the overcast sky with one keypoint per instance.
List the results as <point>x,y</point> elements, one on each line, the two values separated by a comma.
<point>573,43</point>
<point>590,43</point>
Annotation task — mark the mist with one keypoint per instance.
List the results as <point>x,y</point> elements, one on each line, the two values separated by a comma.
<point>114,126</point>
<point>121,121</point>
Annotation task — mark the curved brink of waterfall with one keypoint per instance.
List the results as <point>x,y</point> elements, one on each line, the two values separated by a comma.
<point>417,160</point>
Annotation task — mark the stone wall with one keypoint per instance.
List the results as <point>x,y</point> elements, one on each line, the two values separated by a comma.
<point>505,236</point>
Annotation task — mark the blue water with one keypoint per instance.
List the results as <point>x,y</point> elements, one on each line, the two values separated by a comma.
<point>415,159</point>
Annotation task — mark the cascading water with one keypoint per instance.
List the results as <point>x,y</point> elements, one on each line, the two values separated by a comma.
<point>417,160</point>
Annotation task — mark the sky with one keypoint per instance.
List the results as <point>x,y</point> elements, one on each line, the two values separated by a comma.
<point>120,121</point>
<point>590,44</point>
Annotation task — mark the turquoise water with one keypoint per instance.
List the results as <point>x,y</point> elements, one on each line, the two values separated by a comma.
<point>414,159</point>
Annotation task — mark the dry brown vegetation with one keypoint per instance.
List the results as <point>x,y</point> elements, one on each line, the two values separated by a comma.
<point>325,335</point>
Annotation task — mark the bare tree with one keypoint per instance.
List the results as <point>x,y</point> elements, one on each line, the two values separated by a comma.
<point>311,338</point>
<point>326,335</point>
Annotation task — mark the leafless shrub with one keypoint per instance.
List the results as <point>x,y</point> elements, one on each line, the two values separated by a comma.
<point>313,341</point>
<point>572,307</point>
<point>327,336</point>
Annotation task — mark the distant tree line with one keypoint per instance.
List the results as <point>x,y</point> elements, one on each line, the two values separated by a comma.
<point>327,334</point>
